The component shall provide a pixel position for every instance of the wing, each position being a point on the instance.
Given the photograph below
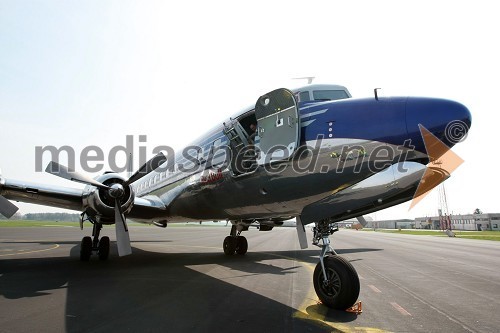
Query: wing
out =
(146, 208)
(54, 196)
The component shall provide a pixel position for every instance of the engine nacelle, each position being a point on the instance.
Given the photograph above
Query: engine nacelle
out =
(101, 205)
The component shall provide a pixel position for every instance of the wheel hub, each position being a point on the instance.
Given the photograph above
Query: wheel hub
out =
(332, 285)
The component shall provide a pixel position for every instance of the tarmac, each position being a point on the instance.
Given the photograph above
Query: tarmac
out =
(179, 280)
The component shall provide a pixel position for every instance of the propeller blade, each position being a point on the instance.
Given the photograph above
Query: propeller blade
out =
(149, 166)
(362, 220)
(7, 208)
(59, 170)
(122, 236)
(301, 233)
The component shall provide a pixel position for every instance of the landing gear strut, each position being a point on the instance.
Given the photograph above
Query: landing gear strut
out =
(235, 243)
(336, 282)
(89, 245)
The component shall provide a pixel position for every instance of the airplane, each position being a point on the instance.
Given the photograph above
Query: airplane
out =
(314, 154)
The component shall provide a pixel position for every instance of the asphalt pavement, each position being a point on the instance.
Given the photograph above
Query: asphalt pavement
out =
(179, 280)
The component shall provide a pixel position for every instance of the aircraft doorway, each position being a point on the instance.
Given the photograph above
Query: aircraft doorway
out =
(241, 135)
(269, 133)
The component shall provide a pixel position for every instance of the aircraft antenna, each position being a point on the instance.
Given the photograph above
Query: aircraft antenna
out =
(308, 78)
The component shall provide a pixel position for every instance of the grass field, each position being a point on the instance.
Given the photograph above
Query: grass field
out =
(26, 223)
(485, 235)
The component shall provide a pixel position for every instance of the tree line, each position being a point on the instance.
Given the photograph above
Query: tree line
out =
(66, 217)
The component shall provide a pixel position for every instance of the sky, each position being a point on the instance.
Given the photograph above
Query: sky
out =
(82, 73)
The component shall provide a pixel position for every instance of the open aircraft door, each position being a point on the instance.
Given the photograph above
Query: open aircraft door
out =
(278, 125)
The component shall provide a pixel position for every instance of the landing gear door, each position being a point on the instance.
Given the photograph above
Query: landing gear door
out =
(278, 125)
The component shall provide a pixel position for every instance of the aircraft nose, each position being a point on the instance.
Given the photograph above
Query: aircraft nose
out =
(448, 120)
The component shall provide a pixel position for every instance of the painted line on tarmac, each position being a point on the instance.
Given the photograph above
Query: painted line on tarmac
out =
(312, 309)
(400, 309)
(418, 298)
(375, 289)
(28, 252)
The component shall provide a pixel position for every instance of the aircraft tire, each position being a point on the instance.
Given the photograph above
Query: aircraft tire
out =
(229, 245)
(343, 289)
(241, 245)
(85, 248)
(104, 248)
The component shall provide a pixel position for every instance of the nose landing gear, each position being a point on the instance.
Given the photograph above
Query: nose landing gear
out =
(335, 280)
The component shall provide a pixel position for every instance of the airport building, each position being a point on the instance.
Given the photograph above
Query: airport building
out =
(473, 222)
(391, 224)
(383, 224)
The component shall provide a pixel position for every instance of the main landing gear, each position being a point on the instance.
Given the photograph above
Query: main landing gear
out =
(234, 243)
(89, 245)
(336, 282)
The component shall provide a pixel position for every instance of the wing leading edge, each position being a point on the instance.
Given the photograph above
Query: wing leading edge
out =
(71, 198)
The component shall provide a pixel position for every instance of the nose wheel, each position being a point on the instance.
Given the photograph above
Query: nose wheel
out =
(335, 280)
(340, 289)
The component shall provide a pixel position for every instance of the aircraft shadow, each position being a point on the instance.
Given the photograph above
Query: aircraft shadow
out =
(151, 291)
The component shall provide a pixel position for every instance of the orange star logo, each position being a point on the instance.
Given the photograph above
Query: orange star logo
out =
(443, 162)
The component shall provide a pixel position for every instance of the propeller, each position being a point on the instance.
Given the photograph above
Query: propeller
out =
(362, 221)
(59, 170)
(7, 208)
(122, 237)
(149, 166)
(301, 232)
(115, 191)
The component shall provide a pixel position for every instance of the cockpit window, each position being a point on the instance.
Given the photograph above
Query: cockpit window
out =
(304, 96)
(329, 95)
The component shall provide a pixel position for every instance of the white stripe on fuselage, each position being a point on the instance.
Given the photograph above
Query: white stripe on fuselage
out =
(307, 123)
(307, 115)
(314, 104)
(313, 113)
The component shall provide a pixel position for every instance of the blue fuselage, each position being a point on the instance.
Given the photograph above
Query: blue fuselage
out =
(348, 141)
